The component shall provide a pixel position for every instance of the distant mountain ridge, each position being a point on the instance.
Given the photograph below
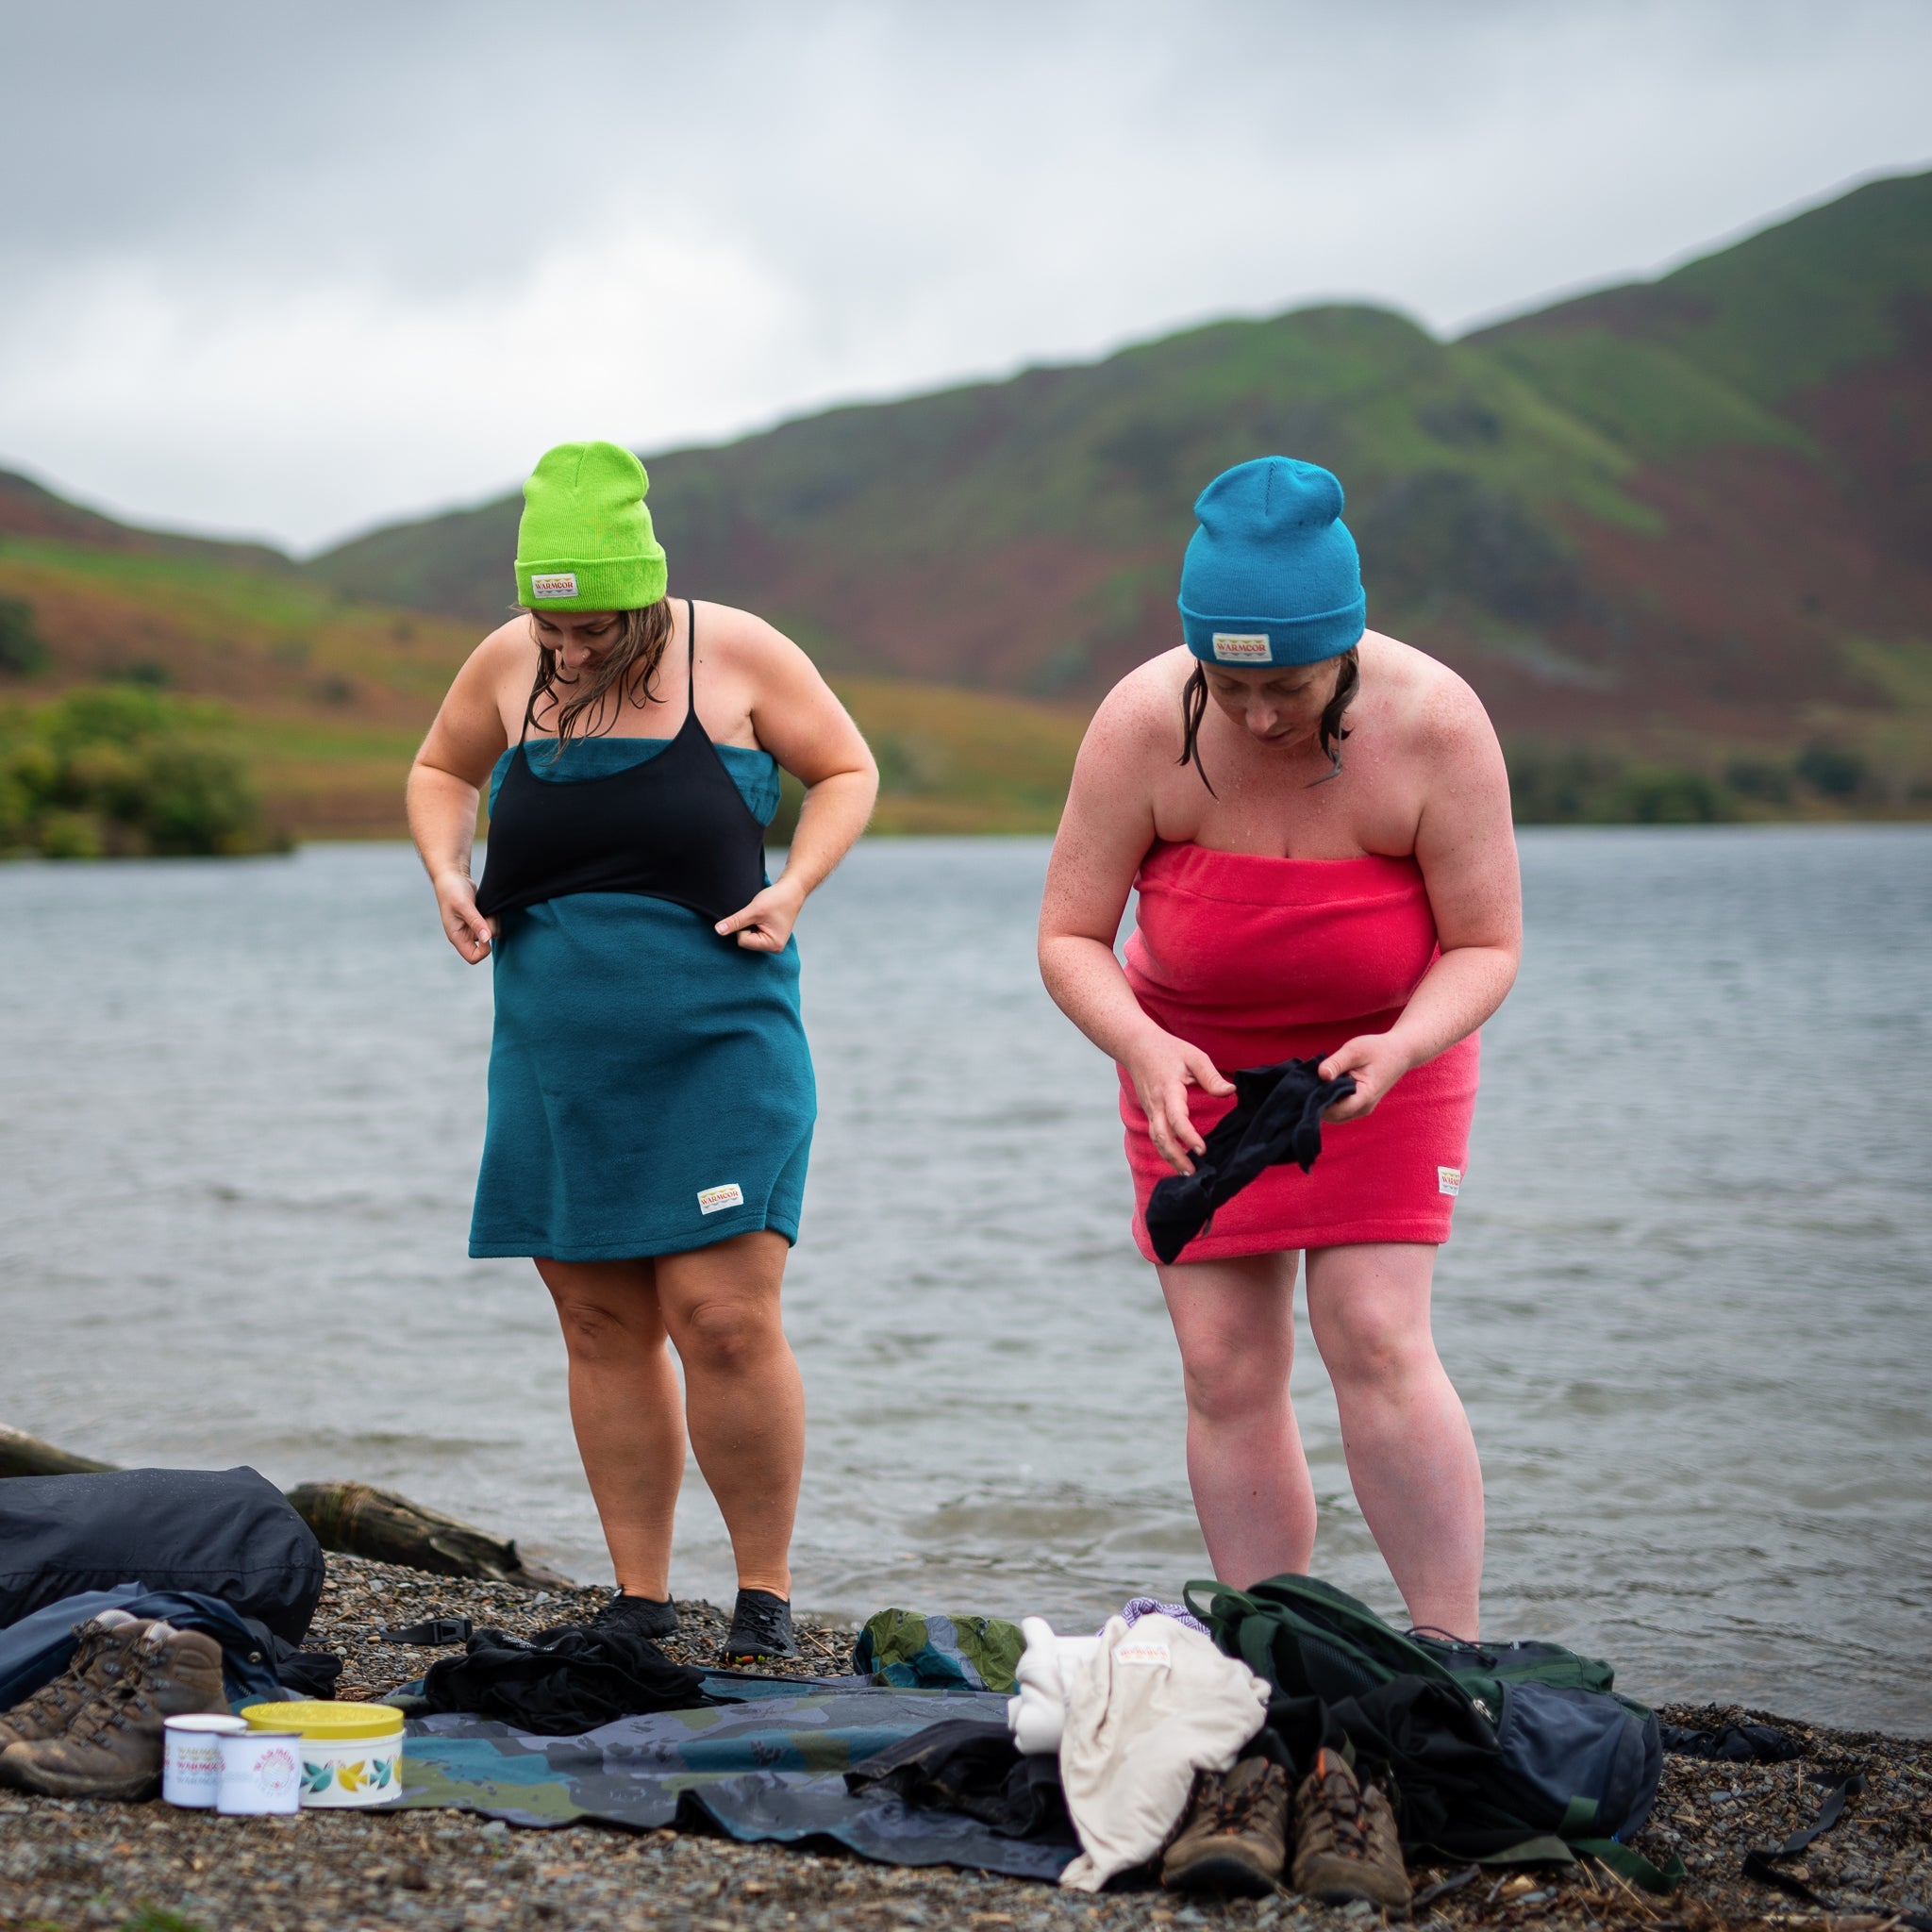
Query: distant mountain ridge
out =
(31, 509)
(1702, 500)
(1675, 521)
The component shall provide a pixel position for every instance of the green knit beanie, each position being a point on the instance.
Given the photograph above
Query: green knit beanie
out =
(585, 540)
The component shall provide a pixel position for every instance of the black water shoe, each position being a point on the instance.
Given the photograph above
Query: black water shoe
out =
(760, 1628)
(644, 1616)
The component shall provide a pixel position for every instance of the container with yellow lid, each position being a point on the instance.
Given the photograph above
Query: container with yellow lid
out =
(352, 1754)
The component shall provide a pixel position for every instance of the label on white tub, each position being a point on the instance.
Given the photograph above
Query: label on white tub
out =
(714, 1200)
(1449, 1180)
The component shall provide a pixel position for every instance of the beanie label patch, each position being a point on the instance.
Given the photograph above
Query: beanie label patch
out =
(555, 583)
(1243, 647)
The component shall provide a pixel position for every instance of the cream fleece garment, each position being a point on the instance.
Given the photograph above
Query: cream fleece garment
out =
(1038, 1714)
(1153, 1706)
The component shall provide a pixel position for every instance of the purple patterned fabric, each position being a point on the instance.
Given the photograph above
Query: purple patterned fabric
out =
(1137, 1606)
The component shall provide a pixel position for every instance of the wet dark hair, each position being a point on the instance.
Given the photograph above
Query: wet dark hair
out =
(1330, 729)
(629, 667)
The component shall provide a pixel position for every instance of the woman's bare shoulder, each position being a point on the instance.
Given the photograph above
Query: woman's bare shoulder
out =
(1434, 708)
(754, 657)
(1141, 715)
(740, 636)
(508, 648)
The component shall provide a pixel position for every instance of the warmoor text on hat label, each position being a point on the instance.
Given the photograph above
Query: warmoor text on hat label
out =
(1242, 648)
(557, 583)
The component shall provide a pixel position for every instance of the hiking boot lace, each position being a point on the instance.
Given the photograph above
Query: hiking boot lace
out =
(1341, 1799)
(1234, 1807)
(70, 1685)
(114, 1706)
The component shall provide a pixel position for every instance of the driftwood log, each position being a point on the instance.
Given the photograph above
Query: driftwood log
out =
(24, 1455)
(352, 1518)
(360, 1521)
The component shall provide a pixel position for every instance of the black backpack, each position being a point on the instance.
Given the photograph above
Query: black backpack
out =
(1516, 1753)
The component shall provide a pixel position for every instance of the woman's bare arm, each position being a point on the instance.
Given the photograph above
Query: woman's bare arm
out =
(797, 718)
(446, 785)
(1104, 832)
(1466, 847)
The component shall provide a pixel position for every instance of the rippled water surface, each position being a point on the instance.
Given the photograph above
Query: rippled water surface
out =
(1688, 1301)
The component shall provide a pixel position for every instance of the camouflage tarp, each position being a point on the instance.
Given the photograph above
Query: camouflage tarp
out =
(770, 1768)
(936, 1652)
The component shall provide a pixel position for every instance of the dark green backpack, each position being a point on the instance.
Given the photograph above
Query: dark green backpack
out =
(1516, 1753)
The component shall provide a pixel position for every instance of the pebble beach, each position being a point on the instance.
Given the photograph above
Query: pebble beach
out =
(150, 1868)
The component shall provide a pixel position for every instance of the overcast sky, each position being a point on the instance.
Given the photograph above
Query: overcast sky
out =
(294, 271)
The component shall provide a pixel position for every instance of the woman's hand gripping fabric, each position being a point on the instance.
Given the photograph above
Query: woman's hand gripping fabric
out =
(1375, 1060)
(465, 929)
(765, 925)
(1162, 1071)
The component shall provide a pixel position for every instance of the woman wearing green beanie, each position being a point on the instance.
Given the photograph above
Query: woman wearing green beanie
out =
(651, 1095)
(1356, 910)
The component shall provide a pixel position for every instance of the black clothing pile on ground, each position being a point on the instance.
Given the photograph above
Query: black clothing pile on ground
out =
(565, 1681)
(1738, 1743)
(972, 1768)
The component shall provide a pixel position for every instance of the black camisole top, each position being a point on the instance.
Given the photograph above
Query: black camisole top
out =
(673, 826)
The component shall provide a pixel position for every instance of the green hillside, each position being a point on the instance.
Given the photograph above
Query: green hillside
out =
(1679, 519)
(325, 699)
(1675, 532)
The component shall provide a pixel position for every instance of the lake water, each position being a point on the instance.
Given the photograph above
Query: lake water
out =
(1689, 1302)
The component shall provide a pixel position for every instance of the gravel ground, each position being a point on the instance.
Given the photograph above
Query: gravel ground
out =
(148, 1868)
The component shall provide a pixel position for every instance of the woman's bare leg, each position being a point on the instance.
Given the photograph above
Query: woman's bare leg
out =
(625, 1409)
(1411, 1456)
(1235, 1322)
(745, 1399)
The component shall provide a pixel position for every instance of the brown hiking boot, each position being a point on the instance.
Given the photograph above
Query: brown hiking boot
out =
(99, 1660)
(112, 1749)
(1235, 1835)
(1345, 1846)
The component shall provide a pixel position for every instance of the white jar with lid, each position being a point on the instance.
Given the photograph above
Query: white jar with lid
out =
(352, 1754)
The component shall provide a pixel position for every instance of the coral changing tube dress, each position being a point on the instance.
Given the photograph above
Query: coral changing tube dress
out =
(1256, 959)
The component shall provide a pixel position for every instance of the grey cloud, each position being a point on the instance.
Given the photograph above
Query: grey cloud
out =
(260, 220)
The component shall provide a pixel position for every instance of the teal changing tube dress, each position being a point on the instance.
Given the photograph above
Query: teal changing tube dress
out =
(650, 1086)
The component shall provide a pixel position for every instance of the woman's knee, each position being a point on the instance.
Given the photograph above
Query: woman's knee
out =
(1227, 1382)
(598, 1331)
(1372, 1342)
(727, 1336)
(1369, 1311)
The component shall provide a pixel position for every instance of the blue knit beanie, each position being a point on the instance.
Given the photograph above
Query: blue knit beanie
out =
(1271, 575)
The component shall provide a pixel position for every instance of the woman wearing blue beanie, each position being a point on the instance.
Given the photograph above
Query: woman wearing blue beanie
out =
(1316, 819)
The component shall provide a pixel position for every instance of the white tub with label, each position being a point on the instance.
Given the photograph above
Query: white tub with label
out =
(352, 1754)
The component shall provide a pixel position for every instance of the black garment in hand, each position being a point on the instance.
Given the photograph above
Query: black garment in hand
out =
(571, 1679)
(1276, 1116)
(962, 1764)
